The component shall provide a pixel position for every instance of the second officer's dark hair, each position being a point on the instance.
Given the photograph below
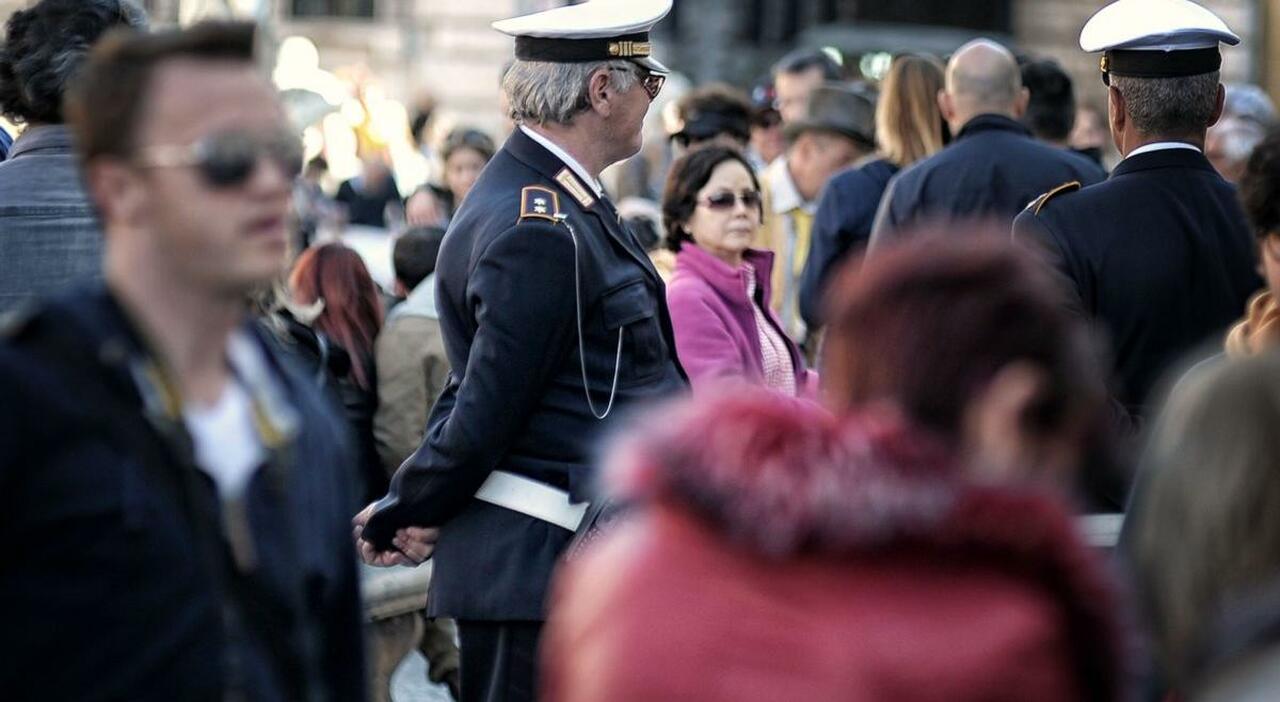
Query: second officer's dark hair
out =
(45, 46)
(1051, 111)
(688, 175)
(107, 101)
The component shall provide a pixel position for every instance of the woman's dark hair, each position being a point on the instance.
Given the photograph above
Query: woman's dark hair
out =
(925, 325)
(468, 138)
(1260, 186)
(352, 314)
(688, 175)
(45, 46)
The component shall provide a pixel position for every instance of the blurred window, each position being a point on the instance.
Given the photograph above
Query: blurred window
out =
(332, 8)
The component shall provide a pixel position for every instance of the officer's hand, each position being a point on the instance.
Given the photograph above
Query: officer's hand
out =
(414, 544)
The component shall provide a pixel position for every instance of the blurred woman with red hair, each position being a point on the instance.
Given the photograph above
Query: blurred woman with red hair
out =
(334, 279)
(911, 543)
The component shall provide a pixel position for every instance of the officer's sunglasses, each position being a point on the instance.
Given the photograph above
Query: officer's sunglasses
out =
(651, 81)
(228, 159)
(726, 200)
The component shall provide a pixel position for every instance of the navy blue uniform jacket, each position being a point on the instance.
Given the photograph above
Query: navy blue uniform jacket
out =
(993, 169)
(515, 401)
(1160, 255)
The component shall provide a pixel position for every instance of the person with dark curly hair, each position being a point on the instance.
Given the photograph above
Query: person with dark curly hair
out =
(49, 233)
(1260, 194)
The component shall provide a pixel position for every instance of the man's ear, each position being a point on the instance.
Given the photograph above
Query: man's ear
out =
(600, 92)
(1021, 102)
(946, 106)
(1117, 117)
(117, 190)
(1219, 105)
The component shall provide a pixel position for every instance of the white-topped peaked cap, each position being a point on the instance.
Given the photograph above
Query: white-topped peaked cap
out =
(1156, 39)
(596, 30)
(1155, 25)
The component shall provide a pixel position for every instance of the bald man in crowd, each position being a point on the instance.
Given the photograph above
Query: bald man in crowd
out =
(994, 167)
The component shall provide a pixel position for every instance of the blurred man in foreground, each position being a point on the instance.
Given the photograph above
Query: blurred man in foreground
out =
(174, 495)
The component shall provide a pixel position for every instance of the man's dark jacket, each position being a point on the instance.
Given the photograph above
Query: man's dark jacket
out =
(841, 228)
(992, 170)
(1160, 255)
(515, 400)
(113, 585)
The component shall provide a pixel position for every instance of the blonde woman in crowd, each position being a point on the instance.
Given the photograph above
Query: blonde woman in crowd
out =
(909, 127)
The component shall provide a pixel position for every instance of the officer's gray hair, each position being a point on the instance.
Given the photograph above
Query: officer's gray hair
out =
(542, 92)
(1169, 106)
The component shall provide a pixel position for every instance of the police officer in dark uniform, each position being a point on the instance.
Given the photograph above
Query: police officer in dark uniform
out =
(555, 323)
(1160, 254)
(994, 167)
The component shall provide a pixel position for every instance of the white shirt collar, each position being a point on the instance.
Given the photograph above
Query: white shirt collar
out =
(1162, 146)
(784, 197)
(568, 160)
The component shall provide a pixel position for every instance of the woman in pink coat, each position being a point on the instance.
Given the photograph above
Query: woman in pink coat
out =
(719, 294)
(911, 545)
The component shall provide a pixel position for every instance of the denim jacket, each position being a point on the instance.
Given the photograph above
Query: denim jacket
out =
(49, 232)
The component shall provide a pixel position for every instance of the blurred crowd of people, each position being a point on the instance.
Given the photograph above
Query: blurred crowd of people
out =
(929, 324)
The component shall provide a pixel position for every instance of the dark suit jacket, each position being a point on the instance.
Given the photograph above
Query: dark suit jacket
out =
(1160, 255)
(993, 169)
(515, 400)
(841, 228)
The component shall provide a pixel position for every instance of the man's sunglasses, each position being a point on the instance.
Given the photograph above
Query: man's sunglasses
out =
(228, 159)
(651, 81)
(726, 200)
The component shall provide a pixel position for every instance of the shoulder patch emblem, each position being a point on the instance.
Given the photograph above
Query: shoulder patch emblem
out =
(570, 182)
(1041, 201)
(539, 202)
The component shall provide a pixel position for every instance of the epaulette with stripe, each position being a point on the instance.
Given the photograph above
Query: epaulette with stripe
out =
(1039, 203)
(538, 202)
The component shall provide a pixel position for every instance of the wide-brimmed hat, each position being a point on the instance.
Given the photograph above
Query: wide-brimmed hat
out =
(839, 108)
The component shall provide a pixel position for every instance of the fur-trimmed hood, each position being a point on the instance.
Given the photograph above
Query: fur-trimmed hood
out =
(785, 477)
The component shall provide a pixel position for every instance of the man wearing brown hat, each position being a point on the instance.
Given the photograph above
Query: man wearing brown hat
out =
(837, 131)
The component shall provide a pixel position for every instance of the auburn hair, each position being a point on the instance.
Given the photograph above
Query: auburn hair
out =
(352, 314)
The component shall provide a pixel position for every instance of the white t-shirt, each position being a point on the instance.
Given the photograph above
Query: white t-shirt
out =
(226, 440)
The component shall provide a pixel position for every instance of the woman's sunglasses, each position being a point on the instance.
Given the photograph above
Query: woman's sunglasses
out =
(228, 159)
(726, 200)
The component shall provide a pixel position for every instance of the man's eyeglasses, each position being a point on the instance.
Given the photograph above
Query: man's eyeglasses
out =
(228, 159)
(651, 81)
(726, 200)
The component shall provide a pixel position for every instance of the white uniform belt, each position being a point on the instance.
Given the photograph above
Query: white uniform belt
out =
(531, 497)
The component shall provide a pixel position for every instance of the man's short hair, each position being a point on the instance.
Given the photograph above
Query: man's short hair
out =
(712, 110)
(414, 255)
(1051, 111)
(1169, 106)
(46, 45)
(542, 92)
(108, 99)
(803, 60)
(1260, 186)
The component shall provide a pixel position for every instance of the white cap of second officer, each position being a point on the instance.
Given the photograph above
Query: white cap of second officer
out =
(1156, 38)
(597, 30)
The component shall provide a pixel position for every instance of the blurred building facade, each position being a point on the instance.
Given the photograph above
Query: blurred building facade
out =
(445, 48)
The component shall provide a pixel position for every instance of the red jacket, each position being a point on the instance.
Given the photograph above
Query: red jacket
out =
(783, 555)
